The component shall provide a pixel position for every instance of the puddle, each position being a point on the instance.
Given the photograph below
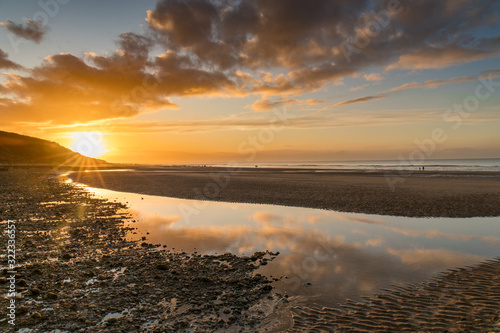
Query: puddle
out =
(325, 256)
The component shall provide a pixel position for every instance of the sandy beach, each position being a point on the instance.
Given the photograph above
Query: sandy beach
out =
(76, 272)
(419, 193)
(460, 300)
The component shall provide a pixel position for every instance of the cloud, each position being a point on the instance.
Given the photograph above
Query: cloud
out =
(257, 121)
(361, 87)
(491, 71)
(254, 34)
(30, 30)
(312, 102)
(265, 104)
(270, 48)
(304, 37)
(6, 63)
(487, 240)
(429, 84)
(66, 89)
(373, 77)
(491, 74)
(270, 220)
(69, 89)
(340, 269)
(358, 100)
(434, 258)
(441, 57)
(352, 218)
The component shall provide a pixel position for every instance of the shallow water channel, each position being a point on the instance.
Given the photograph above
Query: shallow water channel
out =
(325, 256)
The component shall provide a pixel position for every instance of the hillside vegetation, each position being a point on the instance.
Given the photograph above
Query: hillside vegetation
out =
(21, 149)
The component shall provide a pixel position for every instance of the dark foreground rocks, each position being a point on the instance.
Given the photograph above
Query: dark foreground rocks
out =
(77, 273)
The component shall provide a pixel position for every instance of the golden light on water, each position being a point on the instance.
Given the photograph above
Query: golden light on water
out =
(90, 144)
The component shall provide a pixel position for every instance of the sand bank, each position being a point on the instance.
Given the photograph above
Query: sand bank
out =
(420, 194)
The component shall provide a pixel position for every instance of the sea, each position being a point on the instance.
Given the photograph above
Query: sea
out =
(483, 164)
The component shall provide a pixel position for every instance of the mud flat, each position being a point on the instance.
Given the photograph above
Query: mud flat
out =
(460, 300)
(77, 273)
(417, 194)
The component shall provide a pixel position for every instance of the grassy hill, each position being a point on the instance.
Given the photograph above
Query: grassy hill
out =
(21, 149)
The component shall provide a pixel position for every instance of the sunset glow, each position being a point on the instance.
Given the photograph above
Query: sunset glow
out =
(206, 81)
(155, 155)
(90, 144)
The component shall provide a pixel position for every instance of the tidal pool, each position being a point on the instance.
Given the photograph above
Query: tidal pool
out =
(325, 256)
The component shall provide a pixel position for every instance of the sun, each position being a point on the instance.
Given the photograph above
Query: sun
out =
(90, 144)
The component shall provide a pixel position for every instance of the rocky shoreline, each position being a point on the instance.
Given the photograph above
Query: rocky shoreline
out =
(77, 273)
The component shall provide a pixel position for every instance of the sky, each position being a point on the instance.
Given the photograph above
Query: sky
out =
(204, 81)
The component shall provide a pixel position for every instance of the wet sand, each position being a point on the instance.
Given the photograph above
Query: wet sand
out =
(77, 273)
(418, 194)
(461, 300)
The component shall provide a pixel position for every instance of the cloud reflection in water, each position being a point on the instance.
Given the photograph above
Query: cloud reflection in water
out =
(326, 256)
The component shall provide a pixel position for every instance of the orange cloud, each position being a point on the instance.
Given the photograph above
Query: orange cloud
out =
(265, 104)
(271, 48)
(65, 90)
(441, 57)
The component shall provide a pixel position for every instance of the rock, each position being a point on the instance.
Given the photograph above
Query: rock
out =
(267, 288)
(108, 274)
(51, 296)
(35, 292)
(21, 310)
(162, 267)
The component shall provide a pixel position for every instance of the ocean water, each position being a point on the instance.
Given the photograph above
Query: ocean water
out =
(489, 164)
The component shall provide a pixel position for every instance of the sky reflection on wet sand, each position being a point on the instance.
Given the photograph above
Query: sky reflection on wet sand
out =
(327, 256)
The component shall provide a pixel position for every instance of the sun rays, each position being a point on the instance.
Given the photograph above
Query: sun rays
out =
(90, 144)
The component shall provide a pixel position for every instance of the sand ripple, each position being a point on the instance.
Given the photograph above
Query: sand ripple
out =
(460, 300)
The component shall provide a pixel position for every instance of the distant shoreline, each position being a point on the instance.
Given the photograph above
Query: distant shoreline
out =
(473, 165)
(414, 194)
